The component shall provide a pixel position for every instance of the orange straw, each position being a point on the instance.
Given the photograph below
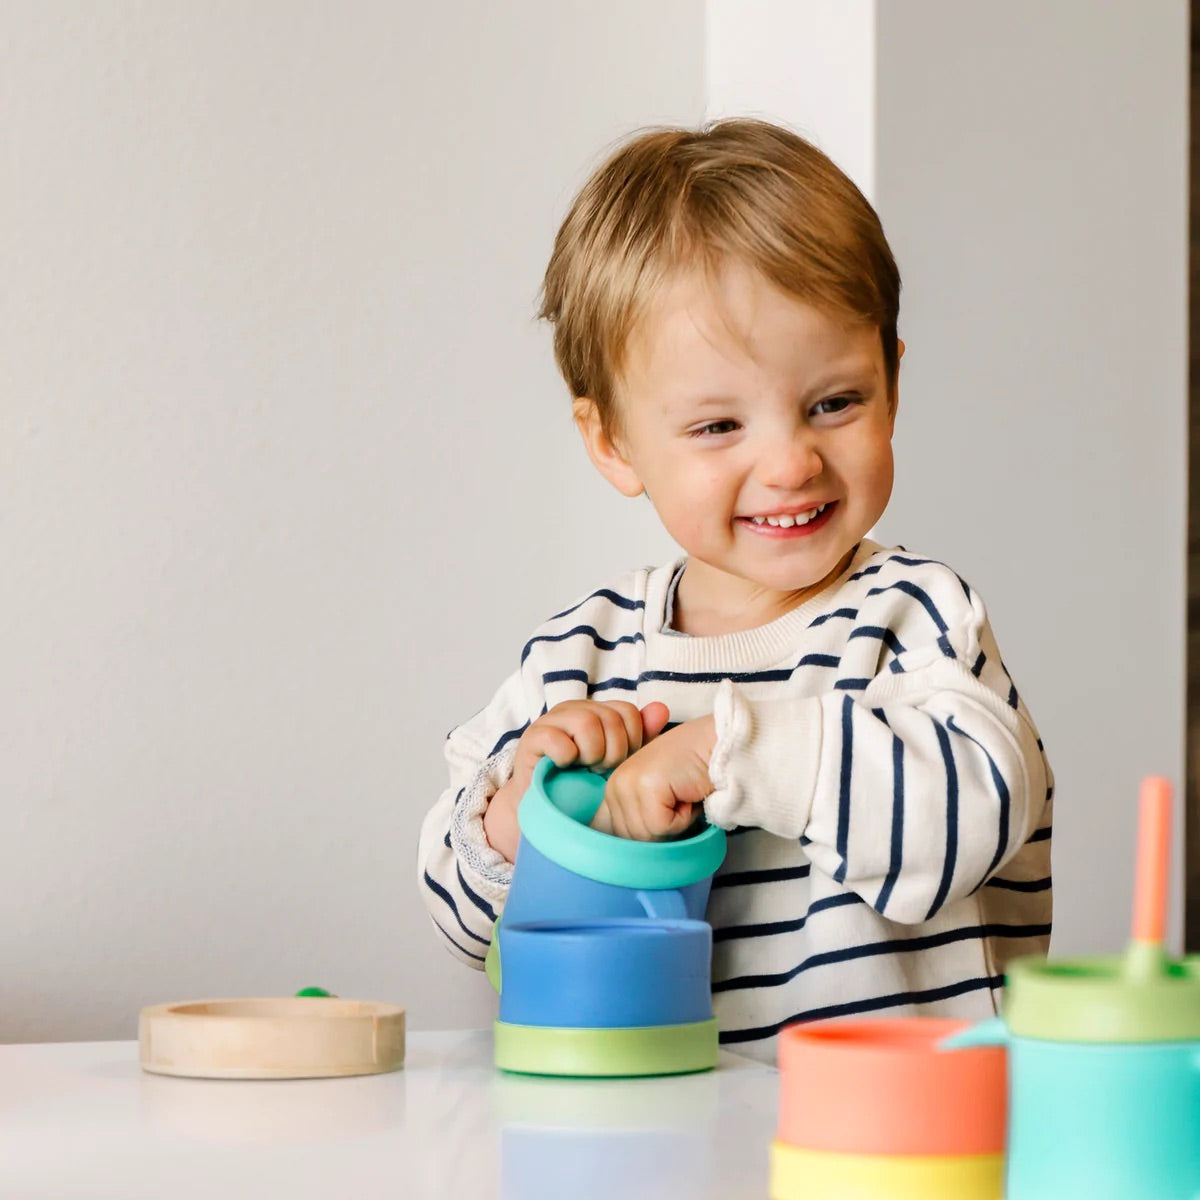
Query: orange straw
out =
(1153, 861)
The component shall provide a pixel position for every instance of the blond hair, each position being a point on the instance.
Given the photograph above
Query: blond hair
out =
(674, 199)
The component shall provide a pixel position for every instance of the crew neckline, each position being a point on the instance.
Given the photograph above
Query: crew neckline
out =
(745, 649)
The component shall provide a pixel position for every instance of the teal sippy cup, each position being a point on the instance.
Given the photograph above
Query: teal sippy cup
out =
(1104, 1056)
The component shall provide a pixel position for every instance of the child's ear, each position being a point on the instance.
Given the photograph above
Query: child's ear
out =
(603, 450)
(895, 397)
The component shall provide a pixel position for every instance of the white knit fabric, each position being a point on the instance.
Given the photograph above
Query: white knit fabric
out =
(888, 801)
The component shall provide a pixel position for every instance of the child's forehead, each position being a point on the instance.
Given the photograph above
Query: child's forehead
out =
(734, 315)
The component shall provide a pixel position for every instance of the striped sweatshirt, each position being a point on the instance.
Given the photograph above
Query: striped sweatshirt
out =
(887, 797)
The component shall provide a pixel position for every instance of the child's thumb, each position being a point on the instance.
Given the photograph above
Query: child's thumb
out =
(654, 719)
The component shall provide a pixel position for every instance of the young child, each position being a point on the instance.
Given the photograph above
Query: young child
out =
(724, 307)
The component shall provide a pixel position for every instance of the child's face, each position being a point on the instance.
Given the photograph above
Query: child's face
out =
(741, 411)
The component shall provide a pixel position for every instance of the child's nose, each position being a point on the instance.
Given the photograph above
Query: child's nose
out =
(790, 462)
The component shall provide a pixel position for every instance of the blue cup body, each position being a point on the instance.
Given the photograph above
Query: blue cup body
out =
(606, 974)
(543, 889)
(1108, 1121)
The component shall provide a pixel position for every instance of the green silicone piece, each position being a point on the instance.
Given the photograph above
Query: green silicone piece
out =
(491, 963)
(553, 815)
(1104, 999)
(313, 991)
(592, 1053)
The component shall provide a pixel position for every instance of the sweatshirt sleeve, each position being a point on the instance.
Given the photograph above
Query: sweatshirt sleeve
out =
(463, 881)
(916, 777)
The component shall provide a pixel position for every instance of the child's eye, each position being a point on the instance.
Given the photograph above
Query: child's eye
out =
(832, 406)
(714, 429)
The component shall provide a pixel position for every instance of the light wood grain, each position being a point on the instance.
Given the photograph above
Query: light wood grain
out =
(271, 1038)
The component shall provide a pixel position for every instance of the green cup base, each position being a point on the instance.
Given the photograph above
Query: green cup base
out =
(606, 1053)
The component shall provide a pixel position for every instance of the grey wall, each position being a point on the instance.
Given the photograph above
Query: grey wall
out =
(286, 472)
(1031, 174)
(274, 420)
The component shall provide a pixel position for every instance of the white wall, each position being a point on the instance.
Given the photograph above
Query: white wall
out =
(275, 416)
(807, 63)
(1032, 178)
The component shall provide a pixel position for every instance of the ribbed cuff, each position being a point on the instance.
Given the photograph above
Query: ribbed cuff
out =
(486, 868)
(764, 765)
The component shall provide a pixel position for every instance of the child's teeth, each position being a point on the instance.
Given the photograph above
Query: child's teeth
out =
(787, 520)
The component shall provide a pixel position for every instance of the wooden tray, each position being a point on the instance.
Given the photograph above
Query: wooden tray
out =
(290, 1037)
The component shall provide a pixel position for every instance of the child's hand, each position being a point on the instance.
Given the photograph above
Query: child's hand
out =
(592, 733)
(656, 793)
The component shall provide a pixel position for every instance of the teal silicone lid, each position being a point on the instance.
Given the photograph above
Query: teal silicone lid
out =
(554, 815)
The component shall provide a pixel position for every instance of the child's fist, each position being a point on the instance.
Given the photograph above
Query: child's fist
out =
(592, 733)
(656, 793)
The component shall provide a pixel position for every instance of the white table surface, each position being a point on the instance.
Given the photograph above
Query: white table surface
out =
(82, 1119)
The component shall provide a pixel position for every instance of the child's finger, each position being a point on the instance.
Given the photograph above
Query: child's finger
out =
(616, 736)
(631, 718)
(548, 741)
(602, 821)
(587, 729)
(654, 719)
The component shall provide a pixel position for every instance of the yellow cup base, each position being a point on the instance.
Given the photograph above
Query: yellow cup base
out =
(799, 1174)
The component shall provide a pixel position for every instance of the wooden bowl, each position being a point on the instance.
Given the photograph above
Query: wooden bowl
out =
(291, 1037)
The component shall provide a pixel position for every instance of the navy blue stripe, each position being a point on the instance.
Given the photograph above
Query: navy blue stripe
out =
(894, 558)
(458, 945)
(977, 666)
(603, 594)
(872, 570)
(1013, 698)
(896, 667)
(897, 848)
(919, 595)
(474, 897)
(730, 933)
(931, 941)
(886, 636)
(505, 739)
(565, 675)
(1002, 796)
(616, 684)
(1021, 885)
(819, 660)
(438, 890)
(601, 643)
(1040, 835)
(573, 675)
(851, 685)
(874, 1004)
(778, 675)
(767, 875)
(951, 821)
(843, 827)
(849, 613)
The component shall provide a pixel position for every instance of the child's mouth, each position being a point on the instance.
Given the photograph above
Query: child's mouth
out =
(798, 526)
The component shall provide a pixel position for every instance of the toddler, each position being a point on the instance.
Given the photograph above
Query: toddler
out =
(724, 305)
